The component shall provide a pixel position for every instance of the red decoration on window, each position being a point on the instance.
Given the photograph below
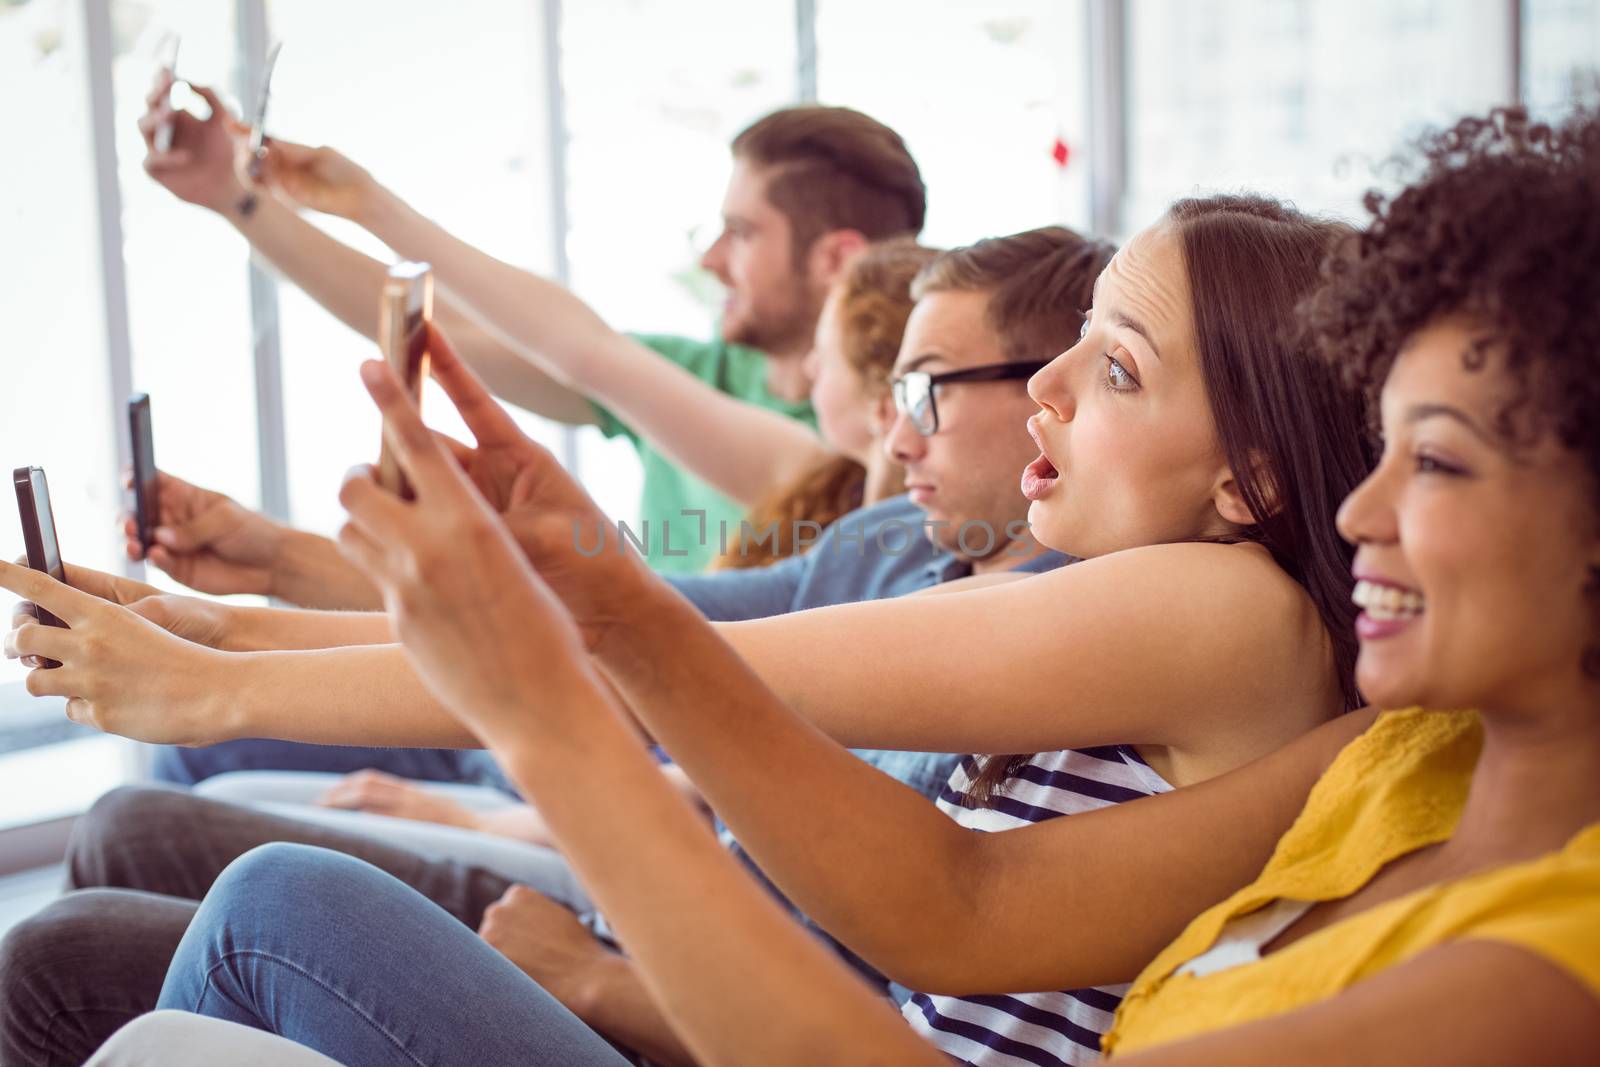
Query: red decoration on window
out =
(1060, 153)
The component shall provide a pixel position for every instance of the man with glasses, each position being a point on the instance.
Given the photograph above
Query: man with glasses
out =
(986, 317)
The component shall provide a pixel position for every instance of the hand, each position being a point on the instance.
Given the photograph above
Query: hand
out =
(481, 628)
(205, 622)
(385, 794)
(546, 941)
(208, 541)
(561, 531)
(199, 167)
(120, 673)
(321, 179)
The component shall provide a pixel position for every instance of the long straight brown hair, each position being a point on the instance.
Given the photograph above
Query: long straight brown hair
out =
(1294, 435)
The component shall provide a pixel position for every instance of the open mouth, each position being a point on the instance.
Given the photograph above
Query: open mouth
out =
(1387, 603)
(1386, 609)
(1039, 476)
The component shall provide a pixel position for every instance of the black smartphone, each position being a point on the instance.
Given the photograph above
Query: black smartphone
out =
(145, 511)
(39, 535)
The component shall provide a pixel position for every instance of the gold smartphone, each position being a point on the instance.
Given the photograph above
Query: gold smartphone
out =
(403, 336)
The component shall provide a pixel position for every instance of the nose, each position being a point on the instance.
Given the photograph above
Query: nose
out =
(1367, 515)
(716, 257)
(901, 442)
(1051, 387)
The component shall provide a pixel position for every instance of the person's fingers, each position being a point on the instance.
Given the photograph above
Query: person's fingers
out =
(376, 512)
(177, 159)
(38, 640)
(430, 468)
(364, 552)
(160, 558)
(219, 110)
(460, 451)
(204, 528)
(63, 601)
(160, 85)
(98, 583)
(55, 682)
(484, 416)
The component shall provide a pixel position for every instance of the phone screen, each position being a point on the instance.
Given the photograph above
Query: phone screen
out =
(39, 529)
(144, 466)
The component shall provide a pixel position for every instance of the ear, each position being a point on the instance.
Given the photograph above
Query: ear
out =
(832, 252)
(1228, 498)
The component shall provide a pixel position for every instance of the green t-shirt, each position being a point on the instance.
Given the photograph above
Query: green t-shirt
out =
(679, 543)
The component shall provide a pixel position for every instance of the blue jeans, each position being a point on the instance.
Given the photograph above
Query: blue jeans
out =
(338, 956)
(186, 766)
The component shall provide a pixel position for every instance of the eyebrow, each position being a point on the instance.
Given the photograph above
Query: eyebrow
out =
(925, 358)
(1420, 412)
(1138, 328)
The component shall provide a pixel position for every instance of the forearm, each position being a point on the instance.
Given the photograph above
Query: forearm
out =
(742, 983)
(252, 629)
(753, 450)
(888, 885)
(310, 572)
(361, 695)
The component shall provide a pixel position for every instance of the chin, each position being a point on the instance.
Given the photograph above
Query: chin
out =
(1049, 528)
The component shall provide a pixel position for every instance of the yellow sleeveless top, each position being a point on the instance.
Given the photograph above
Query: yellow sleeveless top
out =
(1398, 787)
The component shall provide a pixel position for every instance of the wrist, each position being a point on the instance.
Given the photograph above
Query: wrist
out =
(585, 989)
(222, 684)
(234, 203)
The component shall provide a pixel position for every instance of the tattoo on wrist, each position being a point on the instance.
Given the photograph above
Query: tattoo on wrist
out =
(246, 205)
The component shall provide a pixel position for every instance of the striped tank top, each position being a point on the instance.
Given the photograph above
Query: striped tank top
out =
(1034, 1029)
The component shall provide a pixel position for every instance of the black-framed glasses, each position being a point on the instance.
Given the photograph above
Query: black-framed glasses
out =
(914, 391)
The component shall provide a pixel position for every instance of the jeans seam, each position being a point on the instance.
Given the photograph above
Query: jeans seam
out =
(314, 980)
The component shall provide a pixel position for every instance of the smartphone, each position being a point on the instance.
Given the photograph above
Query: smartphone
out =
(145, 510)
(258, 128)
(39, 535)
(403, 336)
(167, 50)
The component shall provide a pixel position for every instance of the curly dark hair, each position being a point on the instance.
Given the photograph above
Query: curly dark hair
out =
(1502, 225)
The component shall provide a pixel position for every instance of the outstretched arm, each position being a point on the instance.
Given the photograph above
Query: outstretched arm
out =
(200, 168)
(743, 450)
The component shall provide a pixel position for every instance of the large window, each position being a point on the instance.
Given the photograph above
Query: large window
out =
(1299, 98)
(439, 101)
(990, 97)
(57, 406)
(654, 90)
(1560, 55)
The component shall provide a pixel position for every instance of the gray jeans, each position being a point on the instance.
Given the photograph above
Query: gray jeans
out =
(139, 862)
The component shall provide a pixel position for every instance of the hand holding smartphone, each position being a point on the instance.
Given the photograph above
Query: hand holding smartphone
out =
(258, 128)
(39, 535)
(403, 320)
(146, 507)
(169, 62)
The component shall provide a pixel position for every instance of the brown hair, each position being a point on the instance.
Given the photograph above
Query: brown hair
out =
(874, 302)
(1039, 283)
(1292, 433)
(1501, 223)
(832, 168)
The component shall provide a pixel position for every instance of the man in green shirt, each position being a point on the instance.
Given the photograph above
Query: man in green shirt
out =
(810, 187)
